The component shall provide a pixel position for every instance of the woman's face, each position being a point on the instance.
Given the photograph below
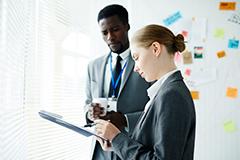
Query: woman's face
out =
(144, 61)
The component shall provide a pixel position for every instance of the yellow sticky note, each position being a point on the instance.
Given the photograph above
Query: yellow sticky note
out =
(227, 5)
(232, 92)
(229, 126)
(195, 94)
(221, 54)
(219, 33)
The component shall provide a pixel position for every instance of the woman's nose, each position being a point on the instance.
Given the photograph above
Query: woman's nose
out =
(136, 69)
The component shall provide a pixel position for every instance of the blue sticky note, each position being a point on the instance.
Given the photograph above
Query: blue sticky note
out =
(172, 19)
(232, 43)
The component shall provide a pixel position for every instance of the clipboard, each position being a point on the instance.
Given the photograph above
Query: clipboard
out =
(58, 119)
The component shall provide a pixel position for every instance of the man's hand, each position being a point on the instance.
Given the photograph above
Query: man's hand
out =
(117, 118)
(94, 111)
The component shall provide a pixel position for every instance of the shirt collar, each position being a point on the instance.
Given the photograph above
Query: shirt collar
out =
(123, 55)
(152, 91)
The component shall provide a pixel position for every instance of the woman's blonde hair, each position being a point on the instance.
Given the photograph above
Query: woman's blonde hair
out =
(156, 33)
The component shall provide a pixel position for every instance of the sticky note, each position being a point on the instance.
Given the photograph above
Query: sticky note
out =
(221, 54)
(172, 19)
(219, 33)
(187, 57)
(188, 72)
(230, 126)
(177, 57)
(185, 34)
(232, 92)
(195, 95)
(233, 43)
(227, 6)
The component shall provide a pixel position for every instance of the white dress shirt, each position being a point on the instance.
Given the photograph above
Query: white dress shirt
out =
(153, 90)
(107, 79)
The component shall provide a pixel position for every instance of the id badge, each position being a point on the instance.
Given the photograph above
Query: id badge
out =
(112, 103)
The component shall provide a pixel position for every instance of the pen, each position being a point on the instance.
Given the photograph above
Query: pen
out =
(89, 125)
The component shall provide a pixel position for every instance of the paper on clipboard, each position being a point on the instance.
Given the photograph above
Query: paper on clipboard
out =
(60, 121)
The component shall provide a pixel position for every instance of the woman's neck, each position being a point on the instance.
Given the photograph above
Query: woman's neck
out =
(166, 65)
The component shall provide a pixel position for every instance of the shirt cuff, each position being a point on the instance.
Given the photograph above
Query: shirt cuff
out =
(126, 128)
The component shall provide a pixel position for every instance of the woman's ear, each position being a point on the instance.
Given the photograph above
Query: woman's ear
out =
(156, 48)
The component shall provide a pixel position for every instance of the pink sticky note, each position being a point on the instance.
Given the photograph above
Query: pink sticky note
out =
(188, 72)
(185, 34)
(177, 57)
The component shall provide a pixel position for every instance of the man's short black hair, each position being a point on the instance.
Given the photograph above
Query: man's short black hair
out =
(113, 10)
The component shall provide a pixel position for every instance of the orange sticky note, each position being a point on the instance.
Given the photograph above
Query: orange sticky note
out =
(227, 5)
(221, 54)
(232, 92)
(195, 94)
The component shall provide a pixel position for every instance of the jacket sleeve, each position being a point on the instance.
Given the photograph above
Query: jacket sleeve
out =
(132, 119)
(88, 93)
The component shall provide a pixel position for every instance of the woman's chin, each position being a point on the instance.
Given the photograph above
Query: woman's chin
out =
(148, 79)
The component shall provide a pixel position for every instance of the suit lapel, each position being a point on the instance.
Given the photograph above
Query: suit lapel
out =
(174, 77)
(144, 115)
(102, 75)
(129, 69)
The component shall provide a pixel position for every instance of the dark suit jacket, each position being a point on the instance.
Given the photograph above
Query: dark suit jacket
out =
(132, 94)
(167, 130)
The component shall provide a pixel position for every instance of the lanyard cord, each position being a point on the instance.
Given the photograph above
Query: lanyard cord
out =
(114, 84)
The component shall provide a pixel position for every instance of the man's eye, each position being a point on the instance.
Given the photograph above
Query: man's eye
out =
(115, 29)
(104, 33)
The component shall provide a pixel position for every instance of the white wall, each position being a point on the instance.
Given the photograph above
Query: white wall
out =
(215, 140)
(214, 109)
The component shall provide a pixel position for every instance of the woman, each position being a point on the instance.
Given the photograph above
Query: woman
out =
(166, 130)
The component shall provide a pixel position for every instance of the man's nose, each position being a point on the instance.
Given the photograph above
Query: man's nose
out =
(110, 36)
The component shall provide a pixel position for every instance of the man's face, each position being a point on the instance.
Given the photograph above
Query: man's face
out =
(114, 33)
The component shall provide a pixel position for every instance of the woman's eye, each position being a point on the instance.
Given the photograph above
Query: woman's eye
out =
(135, 58)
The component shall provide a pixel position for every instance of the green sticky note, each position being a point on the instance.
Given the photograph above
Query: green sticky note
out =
(230, 126)
(219, 33)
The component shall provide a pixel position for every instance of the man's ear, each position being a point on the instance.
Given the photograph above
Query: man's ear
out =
(157, 48)
(127, 26)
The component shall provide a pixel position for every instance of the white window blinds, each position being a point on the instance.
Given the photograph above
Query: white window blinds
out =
(55, 82)
(38, 73)
(14, 47)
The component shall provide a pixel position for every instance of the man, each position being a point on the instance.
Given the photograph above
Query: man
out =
(112, 76)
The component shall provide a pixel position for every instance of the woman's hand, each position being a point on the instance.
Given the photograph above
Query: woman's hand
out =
(106, 129)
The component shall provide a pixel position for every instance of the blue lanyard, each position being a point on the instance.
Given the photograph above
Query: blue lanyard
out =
(114, 84)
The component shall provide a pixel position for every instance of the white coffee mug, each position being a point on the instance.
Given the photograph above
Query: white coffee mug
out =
(103, 102)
